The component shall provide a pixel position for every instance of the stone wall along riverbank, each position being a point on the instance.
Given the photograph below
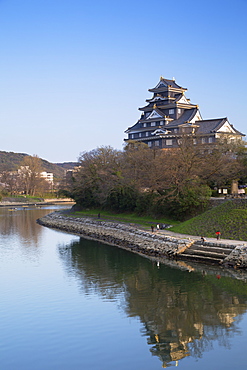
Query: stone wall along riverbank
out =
(121, 235)
(132, 238)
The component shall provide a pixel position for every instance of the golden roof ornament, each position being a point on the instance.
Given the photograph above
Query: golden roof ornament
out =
(155, 106)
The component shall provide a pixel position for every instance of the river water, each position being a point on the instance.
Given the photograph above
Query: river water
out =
(71, 303)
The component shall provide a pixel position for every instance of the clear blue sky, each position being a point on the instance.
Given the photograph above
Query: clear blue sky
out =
(74, 73)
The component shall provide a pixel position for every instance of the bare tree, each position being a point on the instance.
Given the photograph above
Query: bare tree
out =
(100, 170)
(10, 181)
(29, 174)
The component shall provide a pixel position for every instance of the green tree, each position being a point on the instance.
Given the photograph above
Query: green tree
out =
(122, 198)
(100, 171)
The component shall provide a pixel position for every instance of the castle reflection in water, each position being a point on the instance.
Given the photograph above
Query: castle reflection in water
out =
(182, 313)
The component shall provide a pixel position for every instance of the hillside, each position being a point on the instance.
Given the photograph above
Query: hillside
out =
(67, 165)
(230, 218)
(10, 161)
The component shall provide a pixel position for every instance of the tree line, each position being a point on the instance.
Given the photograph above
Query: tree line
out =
(25, 180)
(173, 182)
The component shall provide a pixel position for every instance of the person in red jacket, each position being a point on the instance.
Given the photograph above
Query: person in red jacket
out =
(218, 233)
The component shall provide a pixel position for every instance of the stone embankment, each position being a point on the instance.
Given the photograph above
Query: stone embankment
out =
(147, 243)
(41, 202)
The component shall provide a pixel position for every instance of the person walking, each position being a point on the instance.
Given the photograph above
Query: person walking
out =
(218, 233)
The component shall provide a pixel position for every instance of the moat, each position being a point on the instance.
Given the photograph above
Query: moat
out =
(72, 303)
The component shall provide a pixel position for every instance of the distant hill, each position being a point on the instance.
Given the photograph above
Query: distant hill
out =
(10, 161)
(67, 165)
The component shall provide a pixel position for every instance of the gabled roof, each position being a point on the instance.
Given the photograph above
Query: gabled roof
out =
(210, 125)
(166, 83)
(156, 113)
(216, 125)
(187, 116)
(181, 98)
(191, 115)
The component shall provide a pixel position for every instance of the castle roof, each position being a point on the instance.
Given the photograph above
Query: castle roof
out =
(216, 125)
(168, 84)
(169, 108)
(187, 116)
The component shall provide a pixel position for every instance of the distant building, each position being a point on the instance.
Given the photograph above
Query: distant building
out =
(48, 176)
(169, 115)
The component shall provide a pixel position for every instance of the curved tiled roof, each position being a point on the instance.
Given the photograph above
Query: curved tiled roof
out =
(190, 112)
(188, 115)
(178, 96)
(210, 125)
(171, 83)
(158, 111)
(213, 125)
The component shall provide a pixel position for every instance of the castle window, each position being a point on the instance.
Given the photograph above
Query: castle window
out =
(171, 111)
(153, 123)
(169, 142)
(210, 139)
(175, 130)
(140, 135)
(157, 143)
(147, 133)
(194, 141)
(161, 123)
(144, 125)
(203, 140)
(149, 143)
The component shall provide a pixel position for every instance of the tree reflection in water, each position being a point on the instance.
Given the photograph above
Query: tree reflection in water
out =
(182, 313)
(22, 223)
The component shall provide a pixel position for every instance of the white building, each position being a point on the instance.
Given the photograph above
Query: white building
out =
(48, 176)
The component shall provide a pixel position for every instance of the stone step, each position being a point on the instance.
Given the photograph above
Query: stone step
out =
(202, 258)
(214, 245)
(209, 249)
(205, 253)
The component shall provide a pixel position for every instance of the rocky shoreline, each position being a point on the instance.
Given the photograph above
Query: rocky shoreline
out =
(120, 235)
(27, 202)
(155, 245)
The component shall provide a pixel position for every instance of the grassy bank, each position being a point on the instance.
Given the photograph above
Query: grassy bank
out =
(230, 218)
(145, 221)
(22, 199)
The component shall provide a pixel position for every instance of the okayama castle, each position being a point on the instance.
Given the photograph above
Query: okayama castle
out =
(169, 115)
